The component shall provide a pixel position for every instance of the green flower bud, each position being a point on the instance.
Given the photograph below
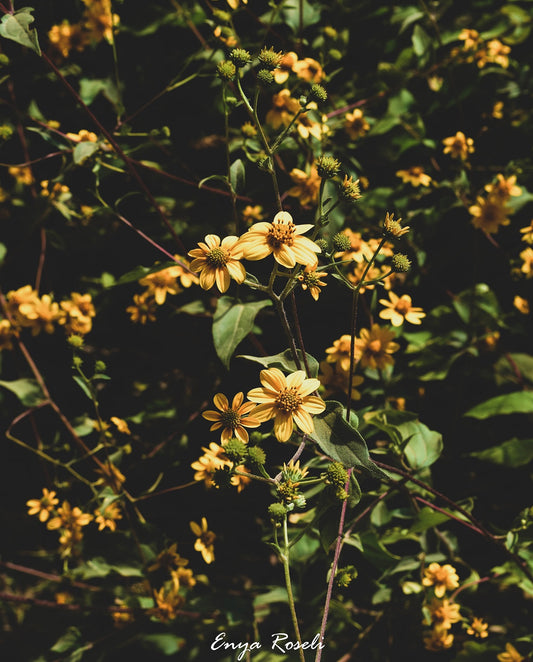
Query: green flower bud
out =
(235, 450)
(341, 242)
(220, 15)
(336, 475)
(4, 60)
(330, 32)
(335, 54)
(240, 57)
(77, 361)
(226, 70)
(400, 263)
(318, 93)
(100, 366)
(265, 77)
(256, 456)
(248, 130)
(269, 58)
(350, 189)
(75, 341)
(345, 576)
(323, 245)
(277, 512)
(6, 132)
(327, 167)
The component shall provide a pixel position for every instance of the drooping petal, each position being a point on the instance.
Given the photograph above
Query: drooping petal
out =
(304, 421)
(285, 256)
(283, 425)
(222, 278)
(221, 402)
(257, 249)
(207, 279)
(313, 404)
(236, 271)
(241, 434)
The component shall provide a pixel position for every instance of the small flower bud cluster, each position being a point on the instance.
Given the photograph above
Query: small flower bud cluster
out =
(269, 58)
(256, 456)
(226, 70)
(400, 263)
(318, 93)
(392, 228)
(277, 512)
(235, 450)
(350, 189)
(341, 242)
(265, 77)
(345, 576)
(323, 245)
(240, 57)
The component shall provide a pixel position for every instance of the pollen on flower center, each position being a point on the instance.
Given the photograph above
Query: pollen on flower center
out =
(281, 233)
(403, 306)
(288, 400)
(375, 346)
(230, 418)
(217, 257)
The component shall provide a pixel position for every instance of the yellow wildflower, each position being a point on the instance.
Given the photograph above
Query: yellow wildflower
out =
(495, 53)
(233, 420)
(183, 271)
(373, 348)
(471, 38)
(527, 266)
(442, 577)
(79, 311)
(522, 305)
(284, 108)
(206, 465)
(488, 214)
(373, 274)
(309, 70)
(510, 654)
(161, 283)
(66, 37)
(306, 186)
(282, 238)
(504, 188)
(251, 214)
(120, 424)
(16, 298)
(445, 613)
(22, 174)
(439, 639)
(310, 279)
(108, 518)
(414, 176)
(478, 628)
(400, 309)
(528, 233)
(168, 601)
(43, 506)
(204, 541)
(111, 476)
(41, 314)
(143, 308)
(497, 110)
(6, 335)
(392, 227)
(168, 559)
(458, 146)
(339, 353)
(99, 20)
(218, 262)
(285, 67)
(355, 124)
(287, 400)
(359, 250)
(82, 136)
(335, 380)
(69, 518)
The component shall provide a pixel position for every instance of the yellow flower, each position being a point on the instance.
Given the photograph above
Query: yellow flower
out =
(204, 541)
(373, 348)
(510, 655)
(69, 518)
(183, 271)
(15, 298)
(111, 476)
(108, 519)
(527, 266)
(504, 188)
(528, 233)
(522, 305)
(287, 400)
(168, 559)
(233, 420)
(372, 274)
(310, 279)
(308, 127)
(99, 20)
(143, 308)
(6, 334)
(218, 262)
(335, 380)
(445, 613)
(66, 37)
(488, 214)
(79, 311)
(282, 238)
(82, 136)
(442, 577)
(43, 506)
(183, 577)
(355, 124)
(283, 110)
(458, 146)
(497, 110)
(22, 174)
(495, 52)
(161, 283)
(285, 67)
(470, 37)
(41, 314)
(392, 227)
(206, 465)
(478, 628)
(309, 70)
(400, 309)
(359, 250)
(415, 176)
(339, 353)
(307, 186)
(168, 601)
(439, 639)
(120, 424)
(251, 214)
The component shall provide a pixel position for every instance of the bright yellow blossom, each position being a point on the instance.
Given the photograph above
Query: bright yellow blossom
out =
(510, 654)
(528, 233)
(458, 146)
(374, 347)
(43, 506)
(287, 400)
(489, 214)
(161, 283)
(438, 639)
(527, 266)
(400, 309)
(478, 628)
(306, 186)
(204, 542)
(310, 279)
(108, 518)
(218, 262)
(522, 305)
(355, 124)
(444, 613)
(233, 420)
(442, 577)
(415, 176)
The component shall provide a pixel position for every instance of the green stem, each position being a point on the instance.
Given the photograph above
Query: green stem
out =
(286, 569)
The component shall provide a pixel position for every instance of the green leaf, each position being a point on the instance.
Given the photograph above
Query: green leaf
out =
(291, 14)
(421, 40)
(341, 441)
(27, 391)
(520, 402)
(164, 643)
(423, 447)
(284, 361)
(17, 28)
(232, 322)
(236, 176)
(3, 251)
(99, 567)
(83, 385)
(427, 518)
(66, 642)
(511, 453)
(513, 368)
(83, 152)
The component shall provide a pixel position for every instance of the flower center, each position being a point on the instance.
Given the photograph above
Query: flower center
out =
(374, 347)
(217, 257)
(281, 233)
(289, 400)
(230, 418)
(403, 306)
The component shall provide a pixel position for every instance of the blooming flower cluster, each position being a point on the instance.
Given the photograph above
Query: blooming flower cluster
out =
(476, 49)
(491, 211)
